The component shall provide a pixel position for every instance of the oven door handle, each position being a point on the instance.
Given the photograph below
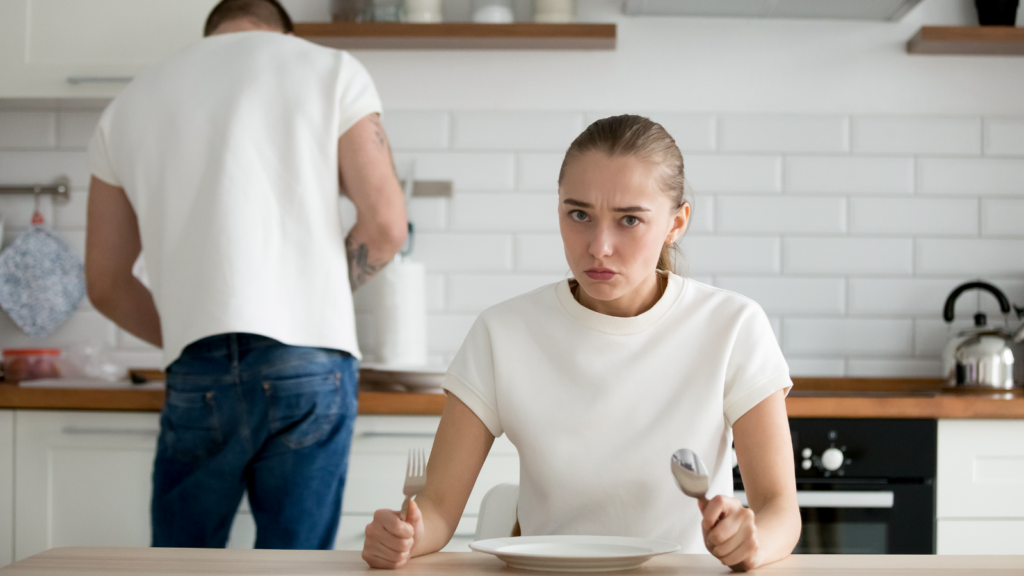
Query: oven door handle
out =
(837, 498)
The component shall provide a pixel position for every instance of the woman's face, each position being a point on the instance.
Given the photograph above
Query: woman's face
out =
(615, 218)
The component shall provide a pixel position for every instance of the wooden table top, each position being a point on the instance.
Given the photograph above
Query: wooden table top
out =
(810, 398)
(195, 562)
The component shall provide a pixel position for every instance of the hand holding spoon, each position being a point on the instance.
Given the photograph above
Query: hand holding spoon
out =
(692, 476)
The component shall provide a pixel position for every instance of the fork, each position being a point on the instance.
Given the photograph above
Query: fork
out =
(415, 478)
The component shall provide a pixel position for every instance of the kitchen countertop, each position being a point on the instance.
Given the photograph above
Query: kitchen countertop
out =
(198, 562)
(810, 398)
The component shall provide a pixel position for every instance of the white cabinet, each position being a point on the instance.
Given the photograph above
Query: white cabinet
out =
(376, 472)
(48, 45)
(6, 487)
(980, 487)
(971, 537)
(82, 479)
(85, 479)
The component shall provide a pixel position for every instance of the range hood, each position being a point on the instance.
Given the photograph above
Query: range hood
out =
(878, 10)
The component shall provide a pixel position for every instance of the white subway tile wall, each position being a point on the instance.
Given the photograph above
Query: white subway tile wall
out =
(849, 230)
(894, 135)
(1004, 137)
(751, 133)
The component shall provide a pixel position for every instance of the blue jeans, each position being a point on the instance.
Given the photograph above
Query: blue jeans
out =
(245, 412)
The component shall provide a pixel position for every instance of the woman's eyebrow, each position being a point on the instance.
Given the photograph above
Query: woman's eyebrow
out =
(580, 204)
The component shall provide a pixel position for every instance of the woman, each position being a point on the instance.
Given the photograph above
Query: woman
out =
(597, 380)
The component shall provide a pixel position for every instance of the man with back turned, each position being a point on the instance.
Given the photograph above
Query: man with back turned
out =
(222, 167)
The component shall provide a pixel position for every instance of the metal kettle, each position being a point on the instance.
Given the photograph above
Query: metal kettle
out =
(982, 357)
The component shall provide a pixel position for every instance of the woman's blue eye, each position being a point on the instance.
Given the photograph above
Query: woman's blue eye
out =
(630, 220)
(578, 215)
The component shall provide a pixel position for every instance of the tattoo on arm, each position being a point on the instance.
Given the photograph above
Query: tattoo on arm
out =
(382, 140)
(360, 269)
(378, 131)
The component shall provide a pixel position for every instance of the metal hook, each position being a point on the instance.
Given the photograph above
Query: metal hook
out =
(37, 216)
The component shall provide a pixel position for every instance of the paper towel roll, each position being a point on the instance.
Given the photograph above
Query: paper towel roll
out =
(399, 312)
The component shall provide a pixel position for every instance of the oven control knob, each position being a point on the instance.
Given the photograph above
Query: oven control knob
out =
(832, 459)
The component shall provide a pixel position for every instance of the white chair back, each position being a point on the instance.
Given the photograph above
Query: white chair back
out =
(498, 512)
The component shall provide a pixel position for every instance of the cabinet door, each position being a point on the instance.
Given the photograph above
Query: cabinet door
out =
(6, 487)
(376, 472)
(971, 537)
(980, 469)
(82, 479)
(51, 44)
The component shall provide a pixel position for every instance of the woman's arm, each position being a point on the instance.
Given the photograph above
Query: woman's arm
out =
(460, 447)
(767, 531)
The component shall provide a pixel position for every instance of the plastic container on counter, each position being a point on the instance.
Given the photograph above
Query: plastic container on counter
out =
(30, 364)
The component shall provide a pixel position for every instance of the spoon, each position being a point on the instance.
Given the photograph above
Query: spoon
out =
(692, 476)
(690, 473)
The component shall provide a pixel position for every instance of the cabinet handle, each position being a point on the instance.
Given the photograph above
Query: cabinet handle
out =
(837, 498)
(76, 431)
(396, 434)
(99, 79)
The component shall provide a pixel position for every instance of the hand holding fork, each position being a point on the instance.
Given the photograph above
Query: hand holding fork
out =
(415, 478)
(391, 537)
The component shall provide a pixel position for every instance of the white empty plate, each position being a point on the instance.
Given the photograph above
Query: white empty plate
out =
(574, 553)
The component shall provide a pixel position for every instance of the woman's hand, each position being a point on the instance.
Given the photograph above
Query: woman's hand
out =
(389, 539)
(730, 533)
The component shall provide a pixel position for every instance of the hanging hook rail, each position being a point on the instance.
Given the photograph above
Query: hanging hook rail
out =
(61, 189)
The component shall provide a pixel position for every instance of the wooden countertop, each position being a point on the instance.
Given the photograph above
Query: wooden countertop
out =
(810, 398)
(199, 562)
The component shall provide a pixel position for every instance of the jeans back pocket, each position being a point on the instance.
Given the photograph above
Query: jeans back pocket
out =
(190, 426)
(302, 411)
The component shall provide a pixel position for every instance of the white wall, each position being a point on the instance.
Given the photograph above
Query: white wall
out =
(844, 184)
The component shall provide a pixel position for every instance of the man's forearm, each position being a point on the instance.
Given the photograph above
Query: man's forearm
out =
(130, 305)
(368, 254)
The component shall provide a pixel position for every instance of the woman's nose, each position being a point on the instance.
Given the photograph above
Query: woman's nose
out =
(601, 244)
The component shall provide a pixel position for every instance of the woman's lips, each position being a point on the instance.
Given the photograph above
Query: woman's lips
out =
(600, 274)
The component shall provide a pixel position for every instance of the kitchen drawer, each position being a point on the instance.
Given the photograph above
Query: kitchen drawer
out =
(352, 532)
(981, 469)
(980, 537)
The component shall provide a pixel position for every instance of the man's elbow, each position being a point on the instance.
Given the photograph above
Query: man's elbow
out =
(397, 234)
(389, 236)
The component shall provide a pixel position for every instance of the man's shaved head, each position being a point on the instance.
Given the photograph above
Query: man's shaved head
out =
(267, 13)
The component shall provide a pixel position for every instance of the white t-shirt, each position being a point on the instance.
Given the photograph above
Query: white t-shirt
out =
(228, 152)
(596, 404)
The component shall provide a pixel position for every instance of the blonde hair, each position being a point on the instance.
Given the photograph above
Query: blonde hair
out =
(640, 137)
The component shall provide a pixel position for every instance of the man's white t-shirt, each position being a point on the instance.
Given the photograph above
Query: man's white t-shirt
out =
(597, 404)
(228, 152)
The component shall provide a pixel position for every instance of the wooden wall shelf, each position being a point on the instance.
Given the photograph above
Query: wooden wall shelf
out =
(992, 40)
(459, 36)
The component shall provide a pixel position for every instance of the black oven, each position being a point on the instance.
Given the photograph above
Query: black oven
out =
(865, 486)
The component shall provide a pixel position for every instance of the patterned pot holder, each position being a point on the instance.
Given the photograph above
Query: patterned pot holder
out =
(41, 281)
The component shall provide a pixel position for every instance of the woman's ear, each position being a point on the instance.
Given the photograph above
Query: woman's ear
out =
(679, 223)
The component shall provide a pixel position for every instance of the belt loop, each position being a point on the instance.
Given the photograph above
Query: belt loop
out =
(234, 352)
